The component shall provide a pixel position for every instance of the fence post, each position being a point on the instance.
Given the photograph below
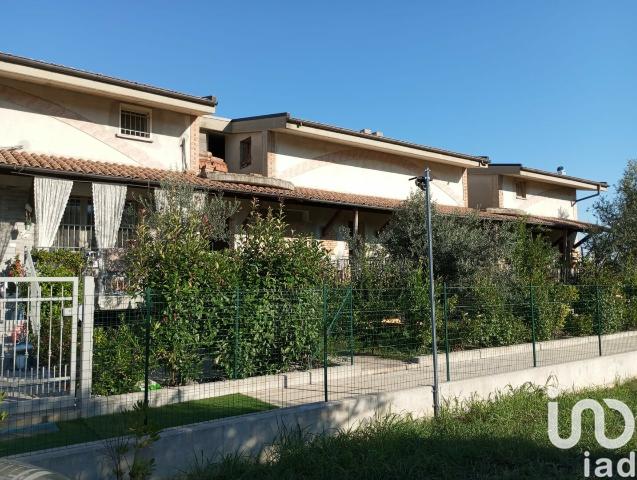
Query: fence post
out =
(86, 355)
(351, 325)
(598, 315)
(237, 313)
(532, 302)
(325, 342)
(74, 337)
(445, 316)
(148, 300)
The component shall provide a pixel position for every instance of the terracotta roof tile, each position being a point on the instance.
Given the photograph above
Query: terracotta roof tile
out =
(34, 163)
(76, 167)
(514, 216)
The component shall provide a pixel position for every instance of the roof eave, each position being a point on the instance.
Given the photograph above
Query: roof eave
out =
(64, 77)
(383, 144)
(519, 171)
(284, 122)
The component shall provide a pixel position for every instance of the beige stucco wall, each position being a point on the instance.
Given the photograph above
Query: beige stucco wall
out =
(330, 166)
(542, 199)
(61, 122)
(259, 152)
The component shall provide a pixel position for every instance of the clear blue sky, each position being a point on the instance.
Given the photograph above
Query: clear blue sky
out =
(544, 83)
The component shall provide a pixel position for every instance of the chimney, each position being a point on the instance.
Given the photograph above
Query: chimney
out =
(377, 133)
(366, 131)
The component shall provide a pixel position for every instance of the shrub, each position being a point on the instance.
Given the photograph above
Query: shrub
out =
(3, 414)
(172, 257)
(279, 278)
(485, 316)
(464, 246)
(57, 263)
(553, 305)
(118, 359)
(391, 311)
(609, 301)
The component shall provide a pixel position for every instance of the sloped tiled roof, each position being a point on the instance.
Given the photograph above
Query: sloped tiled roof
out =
(514, 216)
(20, 160)
(69, 167)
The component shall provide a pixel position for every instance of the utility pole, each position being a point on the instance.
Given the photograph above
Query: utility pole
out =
(424, 183)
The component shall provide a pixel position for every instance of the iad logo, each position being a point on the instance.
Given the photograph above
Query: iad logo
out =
(600, 424)
(601, 467)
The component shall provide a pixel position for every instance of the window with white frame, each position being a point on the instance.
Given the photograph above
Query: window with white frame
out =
(135, 122)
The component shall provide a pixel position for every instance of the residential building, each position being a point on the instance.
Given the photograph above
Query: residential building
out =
(76, 147)
(519, 189)
(333, 177)
(513, 189)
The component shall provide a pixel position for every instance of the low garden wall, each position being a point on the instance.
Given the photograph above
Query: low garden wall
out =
(180, 448)
(53, 409)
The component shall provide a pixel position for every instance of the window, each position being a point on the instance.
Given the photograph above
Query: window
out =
(135, 122)
(216, 145)
(127, 226)
(245, 153)
(520, 189)
(77, 227)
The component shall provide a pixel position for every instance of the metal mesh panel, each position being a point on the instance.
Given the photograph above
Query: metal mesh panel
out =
(222, 353)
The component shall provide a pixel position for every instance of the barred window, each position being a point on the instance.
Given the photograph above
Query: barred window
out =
(520, 189)
(76, 229)
(135, 122)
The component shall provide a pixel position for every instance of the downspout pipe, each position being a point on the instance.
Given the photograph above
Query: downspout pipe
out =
(599, 191)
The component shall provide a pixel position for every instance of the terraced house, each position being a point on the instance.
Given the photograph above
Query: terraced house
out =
(76, 147)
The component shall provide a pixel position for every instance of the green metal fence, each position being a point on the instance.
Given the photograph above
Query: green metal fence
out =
(161, 361)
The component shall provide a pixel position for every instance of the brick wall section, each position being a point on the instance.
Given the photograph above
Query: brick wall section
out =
(14, 234)
(271, 154)
(336, 248)
(500, 192)
(465, 188)
(194, 144)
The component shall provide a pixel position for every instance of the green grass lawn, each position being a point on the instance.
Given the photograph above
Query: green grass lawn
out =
(505, 438)
(108, 426)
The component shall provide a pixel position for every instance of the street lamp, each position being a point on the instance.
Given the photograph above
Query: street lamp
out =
(424, 183)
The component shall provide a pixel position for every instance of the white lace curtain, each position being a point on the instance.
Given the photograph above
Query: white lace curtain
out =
(161, 200)
(108, 208)
(51, 196)
(35, 293)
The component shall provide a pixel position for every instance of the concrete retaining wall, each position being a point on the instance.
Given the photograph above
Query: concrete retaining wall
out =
(66, 408)
(525, 348)
(178, 448)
